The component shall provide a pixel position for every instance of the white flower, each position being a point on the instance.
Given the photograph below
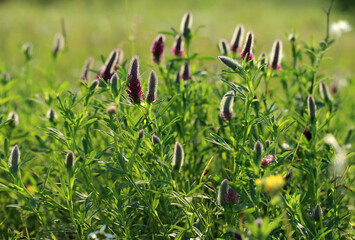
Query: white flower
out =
(100, 234)
(337, 28)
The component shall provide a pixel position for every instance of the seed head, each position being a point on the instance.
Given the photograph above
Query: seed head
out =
(58, 44)
(317, 213)
(13, 119)
(85, 72)
(248, 47)
(312, 108)
(94, 84)
(223, 47)
(324, 92)
(276, 55)
(186, 24)
(178, 47)
(178, 159)
(236, 42)
(114, 84)
(14, 158)
(258, 148)
(185, 72)
(267, 143)
(141, 134)
(69, 160)
(155, 139)
(111, 109)
(27, 50)
(226, 107)
(230, 63)
(52, 115)
(262, 61)
(157, 48)
(152, 87)
(223, 189)
(291, 37)
(134, 87)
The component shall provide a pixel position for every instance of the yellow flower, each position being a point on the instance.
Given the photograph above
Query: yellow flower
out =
(274, 183)
(30, 189)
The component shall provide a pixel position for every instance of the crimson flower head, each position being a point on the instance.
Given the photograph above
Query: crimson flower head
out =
(134, 87)
(231, 197)
(158, 48)
(266, 161)
(108, 69)
(185, 71)
(152, 87)
(248, 47)
(276, 56)
(178, 48)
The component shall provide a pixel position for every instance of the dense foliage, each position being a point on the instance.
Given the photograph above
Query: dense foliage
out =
(246, 150)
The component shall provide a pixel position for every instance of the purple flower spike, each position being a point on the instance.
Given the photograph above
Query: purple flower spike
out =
(231, 197)
(152, 87)
(119, 58)
(107, 70)
(157, 48)
(178, 48)
(134, 87)
(185, 71)
(248, 47)
(276, 55)
(236, 42)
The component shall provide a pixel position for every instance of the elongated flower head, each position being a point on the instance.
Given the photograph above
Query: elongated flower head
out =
(155, 139)
(111, 109)
(223, 189)
(178, 159)
(157, 48)
(226, 107)
(52, 115)
(248, 47)
(312, 108)
(119, 58)
(141, 134)
(267, 143)
(276, 55)
(152, 87)
(13, 119)
(69, 160)
(94, 84)
(109, 67)
(114, 84)
(317, 213)
(27, 50)
(236, 42)
(14, 158)
(178, 47)
(324, 92)
(230, 63)
(134, 87)
(258, 148)
(223, 47)
(262, 61)
(185, 72)
(58, 44)
(85, 72)
(186, 25)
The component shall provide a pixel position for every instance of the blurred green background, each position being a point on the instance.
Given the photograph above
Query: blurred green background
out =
(96, 27)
